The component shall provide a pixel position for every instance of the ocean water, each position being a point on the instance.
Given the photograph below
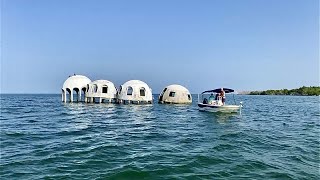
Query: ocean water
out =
(274, 137)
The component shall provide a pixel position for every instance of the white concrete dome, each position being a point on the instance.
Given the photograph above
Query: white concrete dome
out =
(77, 83)
(175, 94)
(102, 89)
(135, 91)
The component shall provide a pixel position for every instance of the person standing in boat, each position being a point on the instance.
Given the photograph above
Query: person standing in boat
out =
(217, 98)
(223, 96)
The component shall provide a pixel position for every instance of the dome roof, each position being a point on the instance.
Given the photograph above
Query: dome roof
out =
(101, 82)
(177, 87)
(76, 81)
(135, 83)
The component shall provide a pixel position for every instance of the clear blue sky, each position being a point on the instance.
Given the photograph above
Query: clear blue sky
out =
(245, 44)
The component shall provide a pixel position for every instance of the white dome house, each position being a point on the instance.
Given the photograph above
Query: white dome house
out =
(102, 90)
(135, 91)
(175, 94)
(74, 85)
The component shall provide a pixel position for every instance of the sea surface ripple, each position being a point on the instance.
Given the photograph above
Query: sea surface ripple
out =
(274, 137)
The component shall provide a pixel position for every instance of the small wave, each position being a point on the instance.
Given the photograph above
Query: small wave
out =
(278, 175)
(209, 160)
(150, 118)
(32, 121)
(15, 134)
(64, 113)
(254, 164)
(131, 173)
(231, 135)
(222, 147)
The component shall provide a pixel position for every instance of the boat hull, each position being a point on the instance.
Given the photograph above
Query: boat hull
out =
(219, 108)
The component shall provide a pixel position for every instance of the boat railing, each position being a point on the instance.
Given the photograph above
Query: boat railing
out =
(201, 98)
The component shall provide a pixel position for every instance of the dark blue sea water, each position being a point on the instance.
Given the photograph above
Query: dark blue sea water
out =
(275, 137)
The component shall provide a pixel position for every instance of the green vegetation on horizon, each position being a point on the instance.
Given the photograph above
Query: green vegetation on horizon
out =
(302, 91)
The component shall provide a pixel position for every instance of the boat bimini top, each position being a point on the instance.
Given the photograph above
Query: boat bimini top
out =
(226, 90)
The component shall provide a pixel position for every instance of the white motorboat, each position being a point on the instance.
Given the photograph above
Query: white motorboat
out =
(216, 104)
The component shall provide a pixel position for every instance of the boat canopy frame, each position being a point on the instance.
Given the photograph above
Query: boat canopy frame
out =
(226, 90)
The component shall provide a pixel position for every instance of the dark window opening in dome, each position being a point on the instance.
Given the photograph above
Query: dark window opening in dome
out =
(68, 95)
(105, 89)
(83, 93)
(142, 92)
(130, 90)
(189, 96)
(172, 94)
(75, 94)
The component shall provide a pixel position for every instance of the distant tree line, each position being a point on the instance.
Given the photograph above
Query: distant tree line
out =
(302, 91)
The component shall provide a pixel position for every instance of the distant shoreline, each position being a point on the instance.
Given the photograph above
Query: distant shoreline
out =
(302, 91)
